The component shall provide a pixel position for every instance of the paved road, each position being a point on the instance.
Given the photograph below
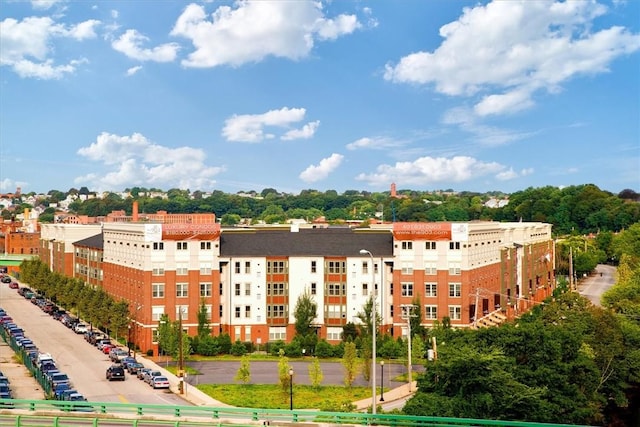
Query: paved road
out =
(593, 286)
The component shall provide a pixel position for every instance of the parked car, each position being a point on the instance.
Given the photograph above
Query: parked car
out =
(134, 367)
(106, 348)
(59, 378)
(14, 285)
(148, 376)
(141, 372)
(126, 360)
(160, 382)
(5, 392)
(117, 354)
(80, 328)
(115, 372)
(6, 279)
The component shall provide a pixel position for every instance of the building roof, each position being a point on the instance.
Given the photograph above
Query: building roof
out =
(341, 242)
(96, 242)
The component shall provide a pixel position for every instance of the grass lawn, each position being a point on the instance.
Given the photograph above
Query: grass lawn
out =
(328, 398)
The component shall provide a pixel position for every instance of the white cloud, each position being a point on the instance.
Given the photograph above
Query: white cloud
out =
(250, 127)
(306, 132)
(27, 45)
(10, 186)
(483, 134)
(134, 160)
(133, 70)
(508, 50)
(254, 30)
(510, 174)
(130, 44)
(320, 171)
(43, 4)
(431, 170)
(375, 143)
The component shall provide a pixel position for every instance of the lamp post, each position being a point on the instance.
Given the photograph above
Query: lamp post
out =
(135, 330)
(291, 389)
(382, 381)
(180, 352)
(373, 333)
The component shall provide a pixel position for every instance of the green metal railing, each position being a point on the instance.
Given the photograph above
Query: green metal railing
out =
(96, 410)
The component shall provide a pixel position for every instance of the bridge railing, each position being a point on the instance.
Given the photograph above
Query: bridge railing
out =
(254, 415)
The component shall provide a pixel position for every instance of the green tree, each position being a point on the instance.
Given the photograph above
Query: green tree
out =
(350, 363)
(305, 312)
(283, 371)
(244, 372)
(204, 327)
(315, 373)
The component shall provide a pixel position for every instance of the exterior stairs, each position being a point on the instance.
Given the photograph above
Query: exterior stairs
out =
(495, 318)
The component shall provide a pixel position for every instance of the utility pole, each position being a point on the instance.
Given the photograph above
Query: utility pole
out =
(180, 352)
(407, 313)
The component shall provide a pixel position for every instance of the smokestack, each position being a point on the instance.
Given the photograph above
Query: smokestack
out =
(134, 212)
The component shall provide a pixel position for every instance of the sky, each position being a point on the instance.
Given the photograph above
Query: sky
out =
(326, 95)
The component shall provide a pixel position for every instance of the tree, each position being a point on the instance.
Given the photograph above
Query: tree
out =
(305, 312)
(244, 372)
(315, 373)
(283, 371)
(204, 327)
(350, 363)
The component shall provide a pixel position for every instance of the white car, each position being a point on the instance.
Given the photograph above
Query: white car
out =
(81, 328)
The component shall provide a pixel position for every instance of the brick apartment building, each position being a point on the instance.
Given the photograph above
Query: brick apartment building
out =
(251, 279)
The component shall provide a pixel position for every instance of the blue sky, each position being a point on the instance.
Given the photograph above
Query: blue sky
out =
(327, 95)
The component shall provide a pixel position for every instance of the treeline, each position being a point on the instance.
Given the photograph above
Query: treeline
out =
(566, 361)
(578, 209)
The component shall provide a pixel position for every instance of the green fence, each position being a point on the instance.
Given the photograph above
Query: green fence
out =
(95, 410)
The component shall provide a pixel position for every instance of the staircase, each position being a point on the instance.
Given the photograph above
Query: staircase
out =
(495, 318)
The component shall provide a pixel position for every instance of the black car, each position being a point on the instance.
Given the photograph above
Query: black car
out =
(115, 372)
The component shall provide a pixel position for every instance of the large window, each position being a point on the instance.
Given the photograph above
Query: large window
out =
(335, 289)
(408, 245)
(455, 312)
(276, 311)
(276, 267)
(206, 289)
(431, 312)
(336, 267)
(335, 311)
(182, 269)
(430, 268)
(455, 290)
(454, 246)
(275, 289)
(157, 290)
(157, 270)
(278, 333)
(430, 289)
(407, 268)
(407, 289)
(205, 268)
(158, 246)
(205, 246)
(156, 312)
(430, 246)
(454, 268)
(182, 290)
(181, 246)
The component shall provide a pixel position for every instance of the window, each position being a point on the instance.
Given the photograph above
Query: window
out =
(158, 246)
(430, 246)
(391, 311)
(430, 268)
(247, 289)
(365, 267)
(236, 289)
(181, 246)
(205, 268)
(237, 267)
(336, 267)
(237, 312)
(314, 289)
(157, 290)
(334, 334)
(314, 267)
(157, 270)
(247, 311)
(365, 289)
(182, 290)
(154, 335)
(407, 268)
(455, 289)
(407, 289)
(247, 267)
(334, 289)
(206, 289)
(275, 289)
(430, 289)
(278, 333)
(431, 312)
(454, 246)
(205, 246)
(454, 268)
(407, 245)
(182, 269)
(208, 309)
(455, 312)
(335, 311)
(156, 312)
(276, 267)
(220, 288)
(276, 311)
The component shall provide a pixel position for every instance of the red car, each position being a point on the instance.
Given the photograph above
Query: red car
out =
(14, 285)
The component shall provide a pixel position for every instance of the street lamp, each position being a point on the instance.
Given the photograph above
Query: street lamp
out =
(382, 381)
(180, 352)
(373, 333)
(291, 389)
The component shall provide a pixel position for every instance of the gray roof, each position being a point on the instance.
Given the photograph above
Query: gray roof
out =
(95, 242)
(340, 242)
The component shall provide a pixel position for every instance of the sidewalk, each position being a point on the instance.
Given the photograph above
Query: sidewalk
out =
(198, 398)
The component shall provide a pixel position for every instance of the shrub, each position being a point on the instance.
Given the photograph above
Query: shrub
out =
(324, 349)
(238, 348)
